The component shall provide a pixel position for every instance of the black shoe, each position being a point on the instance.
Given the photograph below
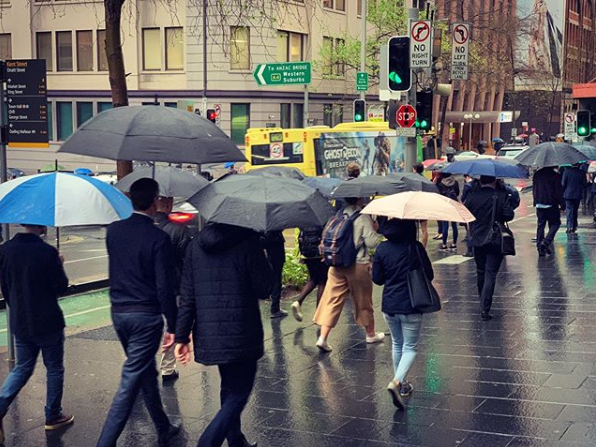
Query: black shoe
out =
(541, 251)
(169, 378)
(245, 444)
(486, 316)
(548, 248)
(165, 439)
(468, 254)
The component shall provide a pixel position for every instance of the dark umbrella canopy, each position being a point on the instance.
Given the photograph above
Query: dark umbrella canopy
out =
(550, 155)
(173, 182)
(586, 148)
(152, 133)
(262, 203)
(279, 171)
(488, 167)
(377, 185)
(325, 185)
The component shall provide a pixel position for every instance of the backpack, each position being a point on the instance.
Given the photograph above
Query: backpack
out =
(309, 240)
(337, 244)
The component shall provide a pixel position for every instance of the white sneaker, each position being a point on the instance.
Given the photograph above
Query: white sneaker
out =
(378, 337)
(296, 311)
(324, 346)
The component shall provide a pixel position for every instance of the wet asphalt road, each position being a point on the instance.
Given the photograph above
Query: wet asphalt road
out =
(525, 379)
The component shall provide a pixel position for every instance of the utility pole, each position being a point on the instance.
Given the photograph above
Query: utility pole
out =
(411, 154)
(205, 11)
(363, 17)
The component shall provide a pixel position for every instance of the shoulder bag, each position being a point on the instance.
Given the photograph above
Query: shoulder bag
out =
(502, 236)
(423, 295)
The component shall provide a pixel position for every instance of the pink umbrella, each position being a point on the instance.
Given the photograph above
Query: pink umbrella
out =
(431, 162)
(417, 205)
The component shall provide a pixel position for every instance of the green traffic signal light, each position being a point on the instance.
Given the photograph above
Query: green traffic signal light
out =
(357, 117)
(582, 131)
(393, 76)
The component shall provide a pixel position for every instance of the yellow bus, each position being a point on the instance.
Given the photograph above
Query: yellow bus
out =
(325, 151)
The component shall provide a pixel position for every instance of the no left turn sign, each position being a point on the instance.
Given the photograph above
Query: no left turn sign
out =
(461, 34)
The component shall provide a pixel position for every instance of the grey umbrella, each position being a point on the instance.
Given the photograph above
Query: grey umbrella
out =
(173, 182)
(279, 171)
(376, 185)
(550, 155)
(152, 133)
(262, 203)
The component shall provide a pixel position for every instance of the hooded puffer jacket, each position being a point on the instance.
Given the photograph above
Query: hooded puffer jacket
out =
(449, 187)
(225, 275)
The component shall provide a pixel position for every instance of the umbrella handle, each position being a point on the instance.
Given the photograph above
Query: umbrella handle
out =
(58, 239)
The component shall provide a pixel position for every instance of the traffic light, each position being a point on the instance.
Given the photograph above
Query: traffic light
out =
(359, 110)
(583, 123)
(424, 109)
(212, 115)
(400, 74)
(592, 123)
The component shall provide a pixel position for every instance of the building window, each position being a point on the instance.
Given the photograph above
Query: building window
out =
(359, 6)
(50, 115)
(44, 49)
(290, 46)
(328, 115)
(84, 112)
(240, 48)
(298, 115)
(340, 67)
(84, 50)
(332, 48)
(64, 119)
(64, 50)
(338, 5)
(102, 57)
(174, 49)
(338, 114)
(283, 39)
(151, 49)
(240, 122)
(285, 115)
(328, 49)
(5, 46)
(103, 106)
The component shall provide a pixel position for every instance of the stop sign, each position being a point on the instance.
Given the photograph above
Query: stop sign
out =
(406, 116)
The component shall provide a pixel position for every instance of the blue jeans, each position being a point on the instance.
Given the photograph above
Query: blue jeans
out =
(27, 350)
(445, 231)
(237, 380)
(405, 330)
(140, 335)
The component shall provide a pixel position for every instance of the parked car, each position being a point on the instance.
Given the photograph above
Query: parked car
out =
(469, 155)
(511, 151)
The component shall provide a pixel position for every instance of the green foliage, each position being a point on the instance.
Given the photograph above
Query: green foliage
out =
(294, 273)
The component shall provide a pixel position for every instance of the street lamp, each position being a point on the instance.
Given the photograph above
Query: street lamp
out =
(469, 116)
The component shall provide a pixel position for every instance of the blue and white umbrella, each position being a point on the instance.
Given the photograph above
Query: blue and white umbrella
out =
(61, 200)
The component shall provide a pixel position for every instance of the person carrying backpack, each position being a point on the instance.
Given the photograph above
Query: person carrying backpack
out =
(348, 239)
(309, 240)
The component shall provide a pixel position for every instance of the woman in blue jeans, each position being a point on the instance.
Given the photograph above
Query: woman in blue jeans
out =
(392, 262)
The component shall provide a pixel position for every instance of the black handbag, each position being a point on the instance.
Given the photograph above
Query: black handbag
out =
(423, 295)
(502, 236)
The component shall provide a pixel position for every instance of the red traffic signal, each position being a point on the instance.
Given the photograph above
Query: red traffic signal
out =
(212, 115)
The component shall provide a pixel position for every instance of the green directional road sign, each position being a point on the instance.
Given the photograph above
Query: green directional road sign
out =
(286, 73)
(361, 81)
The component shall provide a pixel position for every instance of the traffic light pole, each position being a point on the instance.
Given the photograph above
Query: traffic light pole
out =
(411, 154)
(363, 14)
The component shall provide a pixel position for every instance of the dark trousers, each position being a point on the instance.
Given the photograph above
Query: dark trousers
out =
(140, 335)
(445, 231)
(237, 380)
(488, 262)
(572, 206)
(553, 218)
(27, 350)
(277, 257)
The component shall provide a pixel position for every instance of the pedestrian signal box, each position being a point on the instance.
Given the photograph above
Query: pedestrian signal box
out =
(399, 72)
(424, 109)
(583, 123)
(212, 115)
(359, 110)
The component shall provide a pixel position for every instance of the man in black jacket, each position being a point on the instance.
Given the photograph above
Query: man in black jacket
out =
(180, 236)
(142, 288)
(488, 204)
(32, 278)
(225, 275)
(274, 244)
(548, 199)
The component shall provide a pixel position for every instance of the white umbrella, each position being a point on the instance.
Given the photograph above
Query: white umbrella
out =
(418, 205)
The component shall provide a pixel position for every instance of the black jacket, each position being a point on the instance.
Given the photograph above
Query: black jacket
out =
(574, 183)
(142, 270)
(392, 261)
(480, 203)
(547, 188)
(32, 278)
(449, 187)
(225, 275)
(180, 236)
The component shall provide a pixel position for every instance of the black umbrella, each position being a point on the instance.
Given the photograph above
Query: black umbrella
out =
(262, 204)
(173, 182)
(376, 185)
(152, 133)
(549, 155)
(279, 171)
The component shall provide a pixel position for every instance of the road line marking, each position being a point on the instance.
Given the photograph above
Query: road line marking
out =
(76, 314)
(85, 259)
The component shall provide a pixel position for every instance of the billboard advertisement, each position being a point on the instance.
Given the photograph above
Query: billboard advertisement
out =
(376, 152)
(540, 44)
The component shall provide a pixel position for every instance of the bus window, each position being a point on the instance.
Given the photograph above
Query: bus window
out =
(277, 153)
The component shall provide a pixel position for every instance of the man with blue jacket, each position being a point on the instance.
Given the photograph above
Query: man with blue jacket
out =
(142, 289)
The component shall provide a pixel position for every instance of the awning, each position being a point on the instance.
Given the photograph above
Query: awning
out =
(581, 91)
(484, 117)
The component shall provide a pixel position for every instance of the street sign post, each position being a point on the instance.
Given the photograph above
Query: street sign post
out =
(460, 54)
(406, 116)
(420, 44)
(362, 81)
(27, 104)
(570, 131)
(287, 73)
